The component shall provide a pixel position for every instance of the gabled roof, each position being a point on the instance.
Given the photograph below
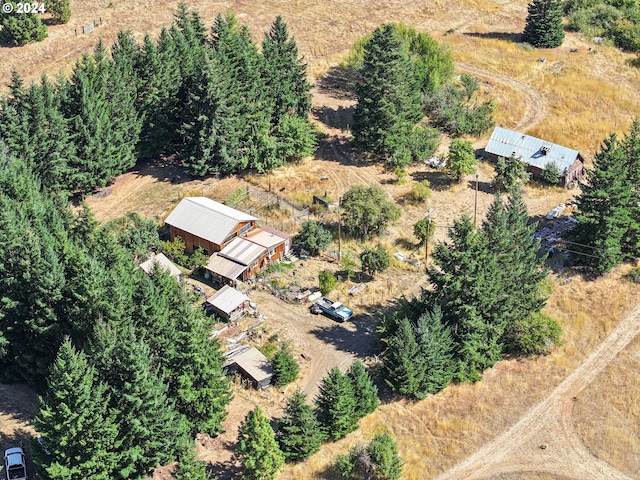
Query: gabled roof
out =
(206, 218)
(276, 232)
(163, 262)
(533, 151)
(227, 299)
(242, 251)
(254, 364)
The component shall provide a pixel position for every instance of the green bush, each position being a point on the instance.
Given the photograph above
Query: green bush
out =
(327, 282)
(551, 173)
(420, 229)
(420, 192)
(534, 335)
(634, 275)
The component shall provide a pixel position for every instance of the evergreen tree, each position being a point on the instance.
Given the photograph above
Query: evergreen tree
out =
(21, 28)
(631, 147)
(604, 209)
(189, 467)
(511, 173)
(404, 369)
(76, 422)
(336, 405)
(388, 97)
(285, 367)
(177, 335)
(299, 434)
(467, 284)
(436, 352)
(544, 27)
(383, 454)
(285, 73)
(461, 160)
(151, 430)
(60, 10)
(364, 390)
(258, 452)
(121, 96)
(159, 72)
(86, 106)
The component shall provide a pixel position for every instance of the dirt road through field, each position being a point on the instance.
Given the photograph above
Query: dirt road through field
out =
(543, 440)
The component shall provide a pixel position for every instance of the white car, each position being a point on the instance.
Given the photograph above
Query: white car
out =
(15, 464)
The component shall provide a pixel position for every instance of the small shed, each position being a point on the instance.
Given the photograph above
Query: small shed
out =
(255, 366)
(536, 153)
(164, 263)
(228, 303)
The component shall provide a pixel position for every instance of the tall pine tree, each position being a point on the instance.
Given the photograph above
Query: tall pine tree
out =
(364, 390)
(544, 27)
(258, 452)
(388, 96)
(299, 434)
(604, 209)
(77, 423)
(336, 405)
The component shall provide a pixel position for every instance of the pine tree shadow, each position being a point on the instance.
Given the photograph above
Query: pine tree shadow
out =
(508, 36)
(339, 82)
(484, 187)
(438, 180)
(339, 117)
(357, 337)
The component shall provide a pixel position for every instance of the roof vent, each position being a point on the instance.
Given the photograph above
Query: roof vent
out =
(545, 149)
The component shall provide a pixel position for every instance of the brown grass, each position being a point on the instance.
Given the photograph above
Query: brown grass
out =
(588, 94)
(438, 432)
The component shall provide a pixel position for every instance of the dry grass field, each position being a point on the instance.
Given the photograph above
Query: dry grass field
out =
(574, 98)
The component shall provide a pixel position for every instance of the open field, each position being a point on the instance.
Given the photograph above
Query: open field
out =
(574, 99)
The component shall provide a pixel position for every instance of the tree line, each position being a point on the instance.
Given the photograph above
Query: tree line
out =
(122, 360)
(213, 99)
(343, 399)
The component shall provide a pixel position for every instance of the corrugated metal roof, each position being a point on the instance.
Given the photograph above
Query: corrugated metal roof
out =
(224, 267)
(264, 238)
(206, 218)
(243, 251)
(255, 364)
(505, 143)
(164, 263)
(227, 299)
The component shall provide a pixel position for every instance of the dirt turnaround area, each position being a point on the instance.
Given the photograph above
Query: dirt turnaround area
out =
(543, 440)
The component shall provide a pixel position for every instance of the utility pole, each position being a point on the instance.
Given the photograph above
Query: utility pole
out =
(475, 204)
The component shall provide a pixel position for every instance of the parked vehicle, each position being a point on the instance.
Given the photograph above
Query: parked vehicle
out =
(335, 310)
(14, 464)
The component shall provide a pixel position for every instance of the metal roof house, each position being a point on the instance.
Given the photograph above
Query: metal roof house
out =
(253, 365)
(205, 223)
(536, 153)
(228, 303)
(164, 263)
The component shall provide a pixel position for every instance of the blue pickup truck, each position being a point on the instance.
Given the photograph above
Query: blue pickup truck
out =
(335, 310)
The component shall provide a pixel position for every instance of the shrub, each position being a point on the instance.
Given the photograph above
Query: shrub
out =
(314, 237)
(420, 192)
(534, 335)
(327, 282)
(551, 173)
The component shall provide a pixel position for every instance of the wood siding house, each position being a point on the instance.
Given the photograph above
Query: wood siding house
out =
(252, 365)
(205, 223)
(537, 154)
(238, 249)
